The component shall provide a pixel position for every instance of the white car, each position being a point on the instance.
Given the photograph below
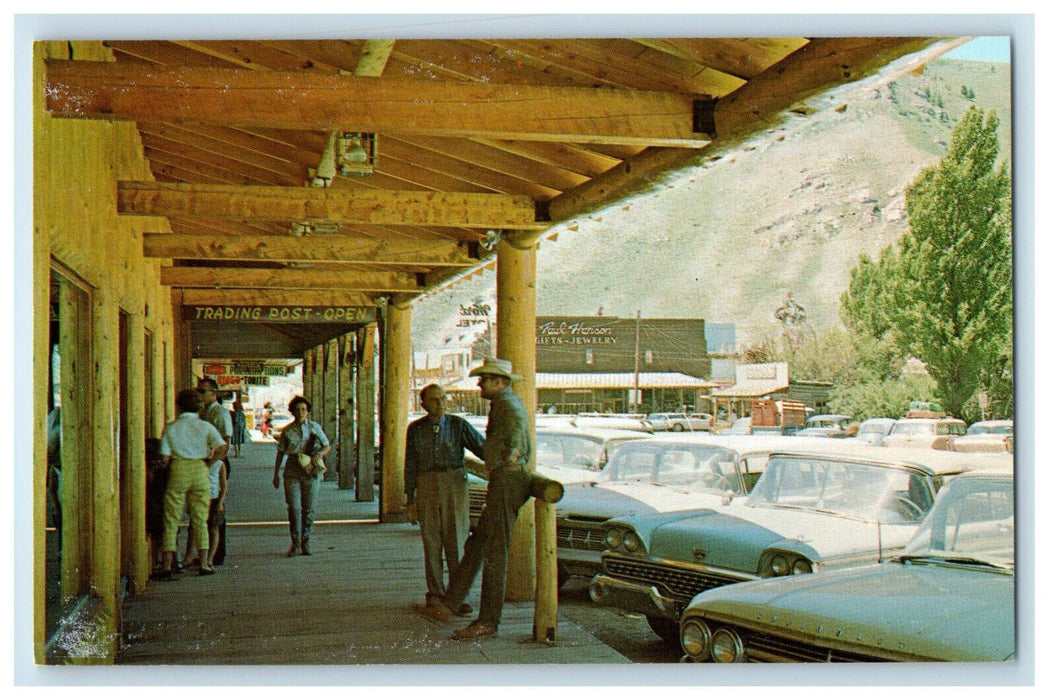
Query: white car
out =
(931, 433)
(678, 422)
(986, 436)
(663, 474)
(873, 430)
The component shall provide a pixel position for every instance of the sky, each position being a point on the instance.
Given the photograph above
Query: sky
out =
(984, 48)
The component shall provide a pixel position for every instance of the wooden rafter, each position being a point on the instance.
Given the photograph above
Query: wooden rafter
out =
(389, 207)
(275, 297)
(818, 66)
(255, 278)
(331, 248)
(283, 99)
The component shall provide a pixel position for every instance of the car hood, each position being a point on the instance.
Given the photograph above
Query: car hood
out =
(598, 501)
(736, 536)
(951, 613)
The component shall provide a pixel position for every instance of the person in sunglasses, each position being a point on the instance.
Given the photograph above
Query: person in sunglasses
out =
(436, 486)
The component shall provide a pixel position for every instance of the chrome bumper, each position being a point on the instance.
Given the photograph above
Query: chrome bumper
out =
(636, 597)
(579, 562)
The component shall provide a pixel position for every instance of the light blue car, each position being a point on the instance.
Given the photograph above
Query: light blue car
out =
(948, 597)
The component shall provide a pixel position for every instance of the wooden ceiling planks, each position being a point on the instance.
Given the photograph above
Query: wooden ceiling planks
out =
(475, 153)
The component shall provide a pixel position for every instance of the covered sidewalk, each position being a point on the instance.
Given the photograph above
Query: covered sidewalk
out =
(348, 603)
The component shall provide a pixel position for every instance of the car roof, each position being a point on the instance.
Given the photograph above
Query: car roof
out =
(603, 433)
(878, 420)
(947, 419)
(829, 416)
(745, 443)
(989, 423)
(931, 461)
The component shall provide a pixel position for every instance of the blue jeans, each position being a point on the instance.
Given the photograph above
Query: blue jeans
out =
(488, 546)
(300, 492)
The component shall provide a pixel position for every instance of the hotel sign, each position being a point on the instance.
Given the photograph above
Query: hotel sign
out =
(575, 333)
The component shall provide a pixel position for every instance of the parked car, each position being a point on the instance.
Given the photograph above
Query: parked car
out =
(948, 597)
(986, 436)
(613, 421)
(662, 474)
(741, 426)
(810, 511)
(933, 433)
(677, 422)
(565, 454)
(873, 430)
(826, 425)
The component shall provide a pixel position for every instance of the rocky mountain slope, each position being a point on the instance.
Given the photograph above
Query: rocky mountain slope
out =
(790, 213)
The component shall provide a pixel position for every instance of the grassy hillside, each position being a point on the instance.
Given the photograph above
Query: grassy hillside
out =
(790, 213)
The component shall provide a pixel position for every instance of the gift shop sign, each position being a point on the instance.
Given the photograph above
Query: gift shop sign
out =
(574, 333)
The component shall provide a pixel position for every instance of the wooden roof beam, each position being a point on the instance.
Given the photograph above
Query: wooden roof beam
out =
(276, 297)
(326, 248)
(303, 100)
(358, 206)
(819, 66)
(255, 278)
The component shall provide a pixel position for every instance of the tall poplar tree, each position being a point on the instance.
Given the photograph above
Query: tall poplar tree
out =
(946, 298)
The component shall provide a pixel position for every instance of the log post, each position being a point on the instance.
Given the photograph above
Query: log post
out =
(346, 411)
(533, 552)
(394, 408)
(366, 403)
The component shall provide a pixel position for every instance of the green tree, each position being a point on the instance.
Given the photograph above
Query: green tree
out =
(945, 297)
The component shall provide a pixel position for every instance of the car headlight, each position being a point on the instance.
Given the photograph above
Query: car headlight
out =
(613, 538)
(726, 647)
(696, 639)
(802, 566)
(779, 565)
(631, 542)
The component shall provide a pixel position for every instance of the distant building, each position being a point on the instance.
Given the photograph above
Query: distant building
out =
(587, 363)
(767, 380)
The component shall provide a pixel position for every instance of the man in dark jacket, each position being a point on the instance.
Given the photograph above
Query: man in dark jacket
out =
(436, 486)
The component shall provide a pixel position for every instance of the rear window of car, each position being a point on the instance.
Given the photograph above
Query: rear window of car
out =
(913, 429)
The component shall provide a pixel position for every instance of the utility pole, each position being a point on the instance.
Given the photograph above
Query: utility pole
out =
(637, 345)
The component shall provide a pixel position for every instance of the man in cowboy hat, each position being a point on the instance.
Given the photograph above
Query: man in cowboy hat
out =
(507, 453)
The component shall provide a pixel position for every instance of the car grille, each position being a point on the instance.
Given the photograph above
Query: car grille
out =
(681, 584)
(761, 647)
(589, 539)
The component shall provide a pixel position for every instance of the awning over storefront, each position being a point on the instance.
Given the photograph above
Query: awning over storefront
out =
(757, 380)
(604, 380)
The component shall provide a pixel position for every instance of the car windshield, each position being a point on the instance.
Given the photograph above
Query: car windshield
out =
(913, 429)
(973, 519)
(990, 430)
(555, 449)
(851, 489)
(704, 468)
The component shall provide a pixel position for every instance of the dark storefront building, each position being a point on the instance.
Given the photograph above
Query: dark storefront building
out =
(595, 363)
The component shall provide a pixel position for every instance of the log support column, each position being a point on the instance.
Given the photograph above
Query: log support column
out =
(345, 462)
(533, 552)
(396, 381)
(329, 401)
(366, 403)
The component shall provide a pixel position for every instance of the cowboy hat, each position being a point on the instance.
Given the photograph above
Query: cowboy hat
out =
(497, 367)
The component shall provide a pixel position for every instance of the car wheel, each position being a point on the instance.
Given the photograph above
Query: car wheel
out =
(666, 629)
(678, 427)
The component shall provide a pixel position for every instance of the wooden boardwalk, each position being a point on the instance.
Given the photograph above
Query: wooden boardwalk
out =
(348, 603)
